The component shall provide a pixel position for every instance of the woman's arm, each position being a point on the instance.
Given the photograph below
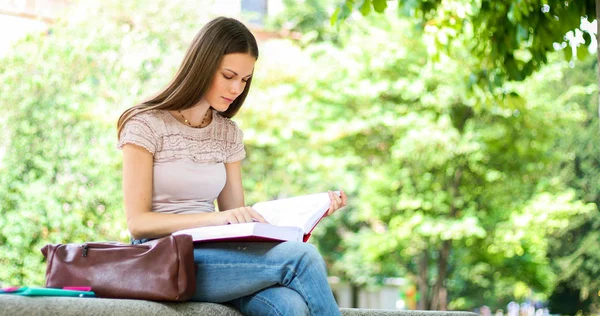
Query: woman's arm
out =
(137, 194)
(231, 199)
(232, 195)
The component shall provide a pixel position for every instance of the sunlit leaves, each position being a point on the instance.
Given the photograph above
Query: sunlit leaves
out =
(498, 31)
(444, 162)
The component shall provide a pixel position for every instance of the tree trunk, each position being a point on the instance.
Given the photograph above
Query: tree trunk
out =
(354, 290)
(439, 299)
(422, 280)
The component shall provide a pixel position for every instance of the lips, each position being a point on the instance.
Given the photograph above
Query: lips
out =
(227, 99)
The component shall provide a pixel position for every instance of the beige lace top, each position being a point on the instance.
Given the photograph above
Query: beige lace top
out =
(189, 170)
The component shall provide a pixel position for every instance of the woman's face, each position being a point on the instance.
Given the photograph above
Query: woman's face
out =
(230, 80)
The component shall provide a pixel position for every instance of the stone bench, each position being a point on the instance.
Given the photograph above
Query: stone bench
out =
(20, 305)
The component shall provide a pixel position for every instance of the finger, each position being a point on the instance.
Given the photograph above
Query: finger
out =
(237, 216)
(336, 199)
(331, 211)
(231, 219)
(256, 216)
(224, 218)
(244, 215)
(344, 197)
(333, 196)
(331, 200)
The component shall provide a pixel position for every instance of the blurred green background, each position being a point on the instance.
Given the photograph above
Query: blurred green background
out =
(476, 188)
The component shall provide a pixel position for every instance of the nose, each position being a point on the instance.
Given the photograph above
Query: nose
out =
(236, 87)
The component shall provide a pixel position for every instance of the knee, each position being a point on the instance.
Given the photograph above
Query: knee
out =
(293, 304)
(303, 252)
(290, 303)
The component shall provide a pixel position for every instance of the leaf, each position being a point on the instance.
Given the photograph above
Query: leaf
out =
(514, 101)
(346, 11)
(587, 37)
(568, 53)
(514, 14)
(379, 5)
(364, 6)
(522, 33)
(582, 53)
(408, 7)
(335, 16)
(342, 12)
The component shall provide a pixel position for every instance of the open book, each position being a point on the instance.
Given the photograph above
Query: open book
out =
(289, 219)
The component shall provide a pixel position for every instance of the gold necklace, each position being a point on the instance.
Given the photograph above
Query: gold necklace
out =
(190, 124)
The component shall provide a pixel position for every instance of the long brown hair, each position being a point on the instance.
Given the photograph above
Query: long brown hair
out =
(217, 38)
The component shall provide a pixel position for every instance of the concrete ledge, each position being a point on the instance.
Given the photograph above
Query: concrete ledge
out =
(21, 305)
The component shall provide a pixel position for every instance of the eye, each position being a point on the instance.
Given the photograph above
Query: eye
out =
(228, 78)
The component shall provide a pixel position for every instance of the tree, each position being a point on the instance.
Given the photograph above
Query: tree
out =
(306, 17)
(574, 251)
(435, 171)
(511, 39)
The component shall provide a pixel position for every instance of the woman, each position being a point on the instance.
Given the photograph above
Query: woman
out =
(181, 151)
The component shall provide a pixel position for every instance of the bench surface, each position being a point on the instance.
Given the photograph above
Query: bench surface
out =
(21, 305)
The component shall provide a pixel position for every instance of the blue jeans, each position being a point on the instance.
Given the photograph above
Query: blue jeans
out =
(264, 278)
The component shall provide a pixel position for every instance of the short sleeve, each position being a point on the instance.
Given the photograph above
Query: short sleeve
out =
(235, 151)
(138, 131)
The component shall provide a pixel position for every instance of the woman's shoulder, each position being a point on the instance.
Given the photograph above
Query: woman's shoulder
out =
(143, 129)
(150, 116)
(155, 120)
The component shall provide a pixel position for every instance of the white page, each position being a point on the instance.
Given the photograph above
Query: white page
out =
(300, 211)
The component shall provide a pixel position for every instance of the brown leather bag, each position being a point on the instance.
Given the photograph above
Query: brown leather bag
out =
(159, 270)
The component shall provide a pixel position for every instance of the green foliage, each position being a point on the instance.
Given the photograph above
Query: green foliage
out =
(344, 10)
(511, 39)
(437, 159)
(307, 19)
(574, 250)
(565, 300)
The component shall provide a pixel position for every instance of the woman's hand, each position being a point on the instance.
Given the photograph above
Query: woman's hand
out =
(337, 202)
(239, 215)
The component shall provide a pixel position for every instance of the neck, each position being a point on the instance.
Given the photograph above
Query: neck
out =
(197, 116)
